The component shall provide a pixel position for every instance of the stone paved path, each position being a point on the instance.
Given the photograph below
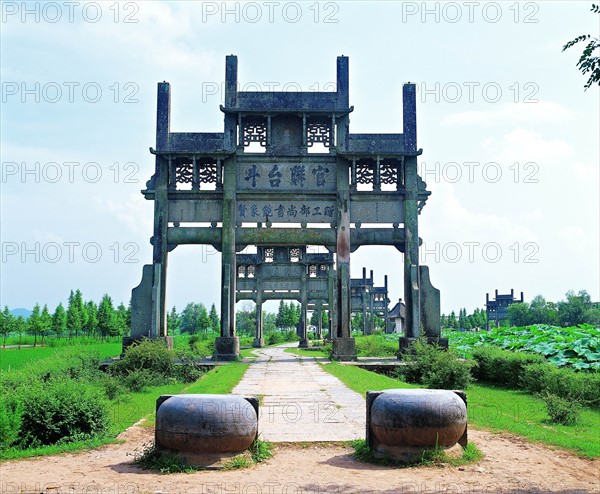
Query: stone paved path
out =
(300, 401)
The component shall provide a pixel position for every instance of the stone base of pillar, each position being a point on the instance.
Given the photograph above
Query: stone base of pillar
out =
(132, 340)
(227, 348)
(258, 342)
(344, 349)
(405, 344)
(303, 343)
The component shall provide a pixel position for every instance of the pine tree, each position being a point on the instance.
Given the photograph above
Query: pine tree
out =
(91, 323)
(203, 319)
(6, 323)
(173, 321)
(120, 326)
(215, 322)
(20, 327)
(45, 322)
(106, 316)
(281, 315)
(59, 320)
(33, 323)
(74, 316)
(82, 311)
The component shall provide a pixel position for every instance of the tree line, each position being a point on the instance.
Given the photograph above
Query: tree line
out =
(80, 318)
(577, 308)
(477, 319)
(196, 318)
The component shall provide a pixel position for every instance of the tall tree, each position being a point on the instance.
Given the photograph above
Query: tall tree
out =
(74, 316)
(106, 316)
(518, 314)
(82, 311)
(589, 62)
(20, 327)
(190, 317)
(33, 323)
(172, 322)
(6, 323)
(120, 325)
(215, 322)
(91, 322)
(203, 319)
(280, 320)
(573, 310)
(45, 322)
(59, 320)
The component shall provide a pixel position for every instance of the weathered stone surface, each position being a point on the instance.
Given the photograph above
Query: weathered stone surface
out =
(430, 305)
(205, 424)
(141, 305)
(344, 349)
(227, 348)
(402, 423)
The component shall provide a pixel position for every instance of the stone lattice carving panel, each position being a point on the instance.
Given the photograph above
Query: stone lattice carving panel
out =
(318, 132)
(255, 130)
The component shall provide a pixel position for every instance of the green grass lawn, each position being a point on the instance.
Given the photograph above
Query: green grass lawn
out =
(496, 409)
(14, 358)
(307, 353)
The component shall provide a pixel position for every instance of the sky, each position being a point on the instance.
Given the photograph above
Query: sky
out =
(510, 138)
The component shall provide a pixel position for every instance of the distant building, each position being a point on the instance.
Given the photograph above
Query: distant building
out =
(497, 309)
(396, 318)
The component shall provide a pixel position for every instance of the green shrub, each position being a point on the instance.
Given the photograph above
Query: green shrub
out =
(153, 356)
(11, 412)
(376, 345)
(583, 387)
(112, 387)
(137, 380)
(186, 370)
(201, 347)
(274, 338)
(436, 369)
(502, 367)
(59, 412)
(561, 410)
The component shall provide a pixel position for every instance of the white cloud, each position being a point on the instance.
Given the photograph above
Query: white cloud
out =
(524, 145)
(516, 113)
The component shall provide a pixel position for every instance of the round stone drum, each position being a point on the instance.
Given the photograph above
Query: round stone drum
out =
(211, 424)
(405, 422)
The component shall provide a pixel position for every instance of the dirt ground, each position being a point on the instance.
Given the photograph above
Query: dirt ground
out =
(511, 465)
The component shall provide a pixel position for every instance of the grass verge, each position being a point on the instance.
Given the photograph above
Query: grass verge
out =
(430, 457)
(15, 358)
(307, 352)
(497, 409)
